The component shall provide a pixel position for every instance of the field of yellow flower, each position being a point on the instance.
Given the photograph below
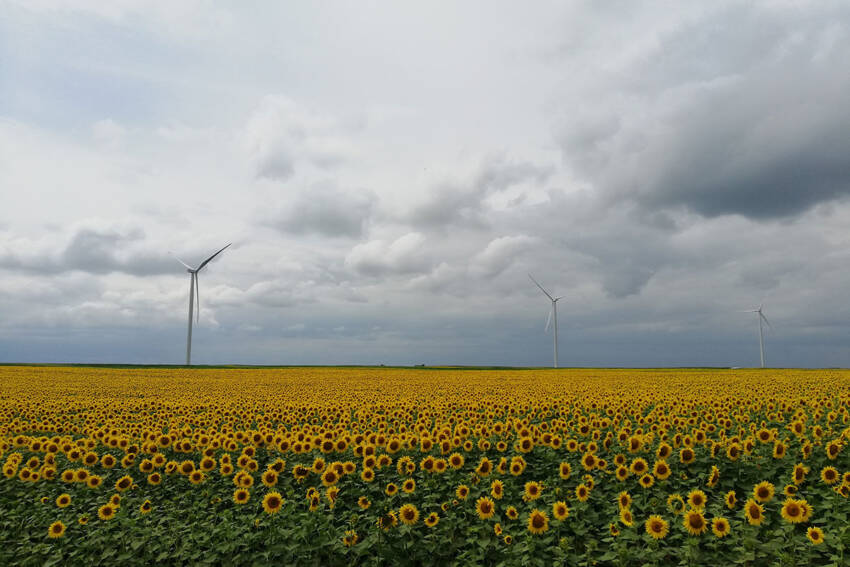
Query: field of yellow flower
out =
(342, 466)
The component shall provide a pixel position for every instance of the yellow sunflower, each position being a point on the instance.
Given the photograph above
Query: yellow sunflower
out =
(538, 522)
(272, 502)
(694, 522)
(56, 530)
(657, 527)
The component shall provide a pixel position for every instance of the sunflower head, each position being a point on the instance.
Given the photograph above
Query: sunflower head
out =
(538, 522)
(720, 527)
(815, 535)
(56, 530)
(657, 527)
(694, 522)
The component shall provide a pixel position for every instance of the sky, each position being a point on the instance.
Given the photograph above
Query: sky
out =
(389, 173)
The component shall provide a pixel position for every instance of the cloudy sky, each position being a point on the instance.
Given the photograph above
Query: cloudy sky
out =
(389, 173)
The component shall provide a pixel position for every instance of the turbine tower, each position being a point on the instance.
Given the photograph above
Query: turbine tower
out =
(552, 318)
(195, 296)
(761, 318)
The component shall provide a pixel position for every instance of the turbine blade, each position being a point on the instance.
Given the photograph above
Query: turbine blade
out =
(197, 299)
(541, 287)
(208, 260)
(188, 267)
(765, 320)
(548, 321)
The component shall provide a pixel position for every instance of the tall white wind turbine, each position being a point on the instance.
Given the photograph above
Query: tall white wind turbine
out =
(195, 296)
(761, 319)
(552, 318)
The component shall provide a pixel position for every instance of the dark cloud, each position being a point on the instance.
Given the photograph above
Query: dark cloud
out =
(459, 204)
(742, 112)
(325, 210)
(93, 251)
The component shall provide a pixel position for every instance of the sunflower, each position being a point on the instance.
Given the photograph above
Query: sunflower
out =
(511, 513)
(391, 489)
(197, 477)
(349, 539)
(560, 510)
(367, 475)
(272, 502)
(696, 499)
(720, 527)
(538, 522)
(388, 521)
(790, 490)
(241, 495)
(106, 512)
(657, 527)
(83, 520)
(115, 501)
(588, 461)
(798, 473)
(713, 477)
(408, 486)
(485, 507)
(764, 491)
(462, 492)
(456, 461)
(647, 481)
(661, 470)
(332, 493)
(123, 483)
(485, 467)
(622, 473)
(832, 449)
(508, 539)
(731, 499)
(626, 517)
(63, 500)
(829, 475)
(524, 444)
(532, 491)
(363, 503)
(815, 535)
(754, 512)
(186, 467)
(639, 466)
(779, 450)
(432, 519)
(517, 465)
(613, 529)
(793, 511)
(56, 530)
(565, 470)
(687, 456)
(497, 489)
(694, 522)
(409, 514)
(582, 492)
(146, 507)
(269, 478)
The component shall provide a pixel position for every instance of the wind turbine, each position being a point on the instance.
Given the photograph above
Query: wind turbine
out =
(552, 318)
(195, 295)
(761, 318)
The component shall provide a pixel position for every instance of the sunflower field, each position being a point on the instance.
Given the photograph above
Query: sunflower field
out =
(382, 466)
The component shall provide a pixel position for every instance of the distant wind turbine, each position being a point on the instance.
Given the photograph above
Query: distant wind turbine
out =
(760, 318)
(552, 318)
(195, 295)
